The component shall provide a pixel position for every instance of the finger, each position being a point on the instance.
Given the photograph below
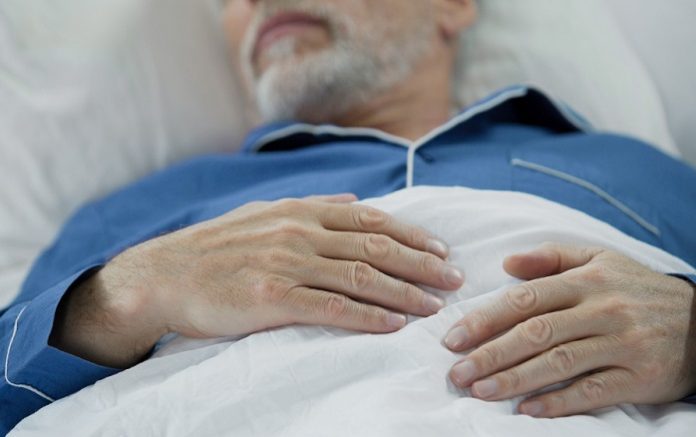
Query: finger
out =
(599, 390)
(365, 283)
(549, 259)
(518, 304)
(361, 218)
(562, 363)
(392, 257)
(317, 307)
(524, 341)
(335, 198)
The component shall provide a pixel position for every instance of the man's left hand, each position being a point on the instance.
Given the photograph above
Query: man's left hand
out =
(625, 333)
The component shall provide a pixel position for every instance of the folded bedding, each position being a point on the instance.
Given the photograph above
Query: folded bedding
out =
(313, 381)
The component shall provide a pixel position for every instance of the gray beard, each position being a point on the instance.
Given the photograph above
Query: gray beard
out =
(319, 88)
(323, 86)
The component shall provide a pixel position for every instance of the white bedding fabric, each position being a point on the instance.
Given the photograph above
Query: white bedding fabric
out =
(308, 381)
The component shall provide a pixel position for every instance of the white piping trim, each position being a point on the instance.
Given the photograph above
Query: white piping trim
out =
(591, 187)
(7, 363)
(569, 114)
(464, 116)
(330, 130)
(412, 147)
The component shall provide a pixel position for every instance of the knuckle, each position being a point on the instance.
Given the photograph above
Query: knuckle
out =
(429, 264)
(651, 371)
(597, 274)
(410, 294)
(646, 372)
(590, 252)
(488, 358)
(512, 380)
(523, 299)
(593, 390)
(377, 247)
(273, 290)
(369, 218)
(561, 361)
(290, 205)
(256, 207)
(371, 317)
(634, 339)
(280, 258)
(616, 308)
(403, 292)
(360, 275)
(291, 230)
(416, 237)
(482, 325)
(336, 307)
(536, 332)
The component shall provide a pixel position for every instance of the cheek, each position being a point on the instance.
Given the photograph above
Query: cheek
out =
(237, 18)
(383, 18)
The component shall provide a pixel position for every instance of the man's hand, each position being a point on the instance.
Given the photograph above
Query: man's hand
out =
(318, 261)
(626, 333)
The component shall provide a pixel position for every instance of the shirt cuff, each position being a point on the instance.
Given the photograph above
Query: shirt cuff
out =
(32, 364)
(686, 277)
(690, 278)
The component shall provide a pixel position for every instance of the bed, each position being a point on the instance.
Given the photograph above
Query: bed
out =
(87, 105)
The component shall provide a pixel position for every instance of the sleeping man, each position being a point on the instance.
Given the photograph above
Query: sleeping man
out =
(355, 97)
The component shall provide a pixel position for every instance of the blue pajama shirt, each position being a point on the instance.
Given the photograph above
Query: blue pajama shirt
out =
(515, 140)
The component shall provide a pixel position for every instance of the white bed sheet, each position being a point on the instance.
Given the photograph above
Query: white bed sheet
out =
(308, 381)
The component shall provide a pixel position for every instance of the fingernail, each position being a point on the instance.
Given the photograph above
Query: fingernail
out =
(463, 372)
(433, 303)
(485, 388)
(437, 247)
(453, 276)
(534, 408)
(456, 338)
(397, 321)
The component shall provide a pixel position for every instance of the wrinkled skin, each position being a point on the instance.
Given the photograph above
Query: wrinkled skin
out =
(624, 332)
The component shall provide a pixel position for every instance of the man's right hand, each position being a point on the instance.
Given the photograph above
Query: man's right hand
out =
(319, 261)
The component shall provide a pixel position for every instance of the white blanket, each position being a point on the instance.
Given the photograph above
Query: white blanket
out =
(309, 381)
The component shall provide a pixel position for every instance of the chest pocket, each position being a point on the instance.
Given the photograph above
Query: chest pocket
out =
(581, 185)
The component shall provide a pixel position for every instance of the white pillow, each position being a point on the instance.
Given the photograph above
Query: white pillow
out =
(95, 93)
(573, 50)
(663, 34)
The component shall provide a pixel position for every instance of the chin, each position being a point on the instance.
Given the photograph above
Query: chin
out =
(305, 87)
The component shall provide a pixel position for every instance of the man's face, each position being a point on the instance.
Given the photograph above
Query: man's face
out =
(315, 59)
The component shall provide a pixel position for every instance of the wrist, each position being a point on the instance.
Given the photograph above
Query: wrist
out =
(688, 287)
(129, 307)
(107, 319)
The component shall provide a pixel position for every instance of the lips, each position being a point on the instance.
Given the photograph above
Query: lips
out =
(281, 25)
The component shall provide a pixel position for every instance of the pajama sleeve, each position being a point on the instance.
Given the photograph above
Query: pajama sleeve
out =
(34, 373)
